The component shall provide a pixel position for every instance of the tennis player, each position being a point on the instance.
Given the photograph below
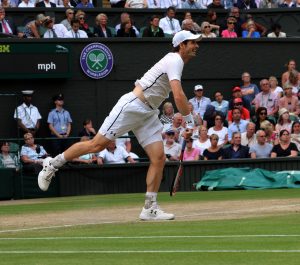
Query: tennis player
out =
(137, 111)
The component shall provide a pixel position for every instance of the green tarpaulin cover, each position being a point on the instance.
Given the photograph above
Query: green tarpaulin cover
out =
(248, 178)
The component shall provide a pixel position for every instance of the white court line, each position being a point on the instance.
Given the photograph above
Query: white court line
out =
(142, 237)
(150, 251)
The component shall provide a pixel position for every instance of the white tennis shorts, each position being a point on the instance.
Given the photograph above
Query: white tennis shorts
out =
(131, 114)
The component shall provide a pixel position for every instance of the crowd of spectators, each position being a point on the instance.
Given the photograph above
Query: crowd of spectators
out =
(257, 122)
(75, 24)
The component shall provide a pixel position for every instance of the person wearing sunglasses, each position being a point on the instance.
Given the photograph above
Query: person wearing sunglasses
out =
(230, 31)
(245, 114)
(206, 30)
(83, 25)
(191, 153)
(261, 116)
(285, 148)
(69, 16)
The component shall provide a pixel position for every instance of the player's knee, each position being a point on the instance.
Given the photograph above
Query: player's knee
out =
(158, 159)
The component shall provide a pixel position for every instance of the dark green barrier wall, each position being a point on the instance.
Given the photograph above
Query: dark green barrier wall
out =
(218, 66)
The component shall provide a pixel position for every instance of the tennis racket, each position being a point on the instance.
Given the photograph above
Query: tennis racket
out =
(176, 181)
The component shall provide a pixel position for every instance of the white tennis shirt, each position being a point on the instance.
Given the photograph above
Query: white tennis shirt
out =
(156, 81)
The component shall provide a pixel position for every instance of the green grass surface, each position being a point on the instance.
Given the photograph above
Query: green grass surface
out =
(253, 241)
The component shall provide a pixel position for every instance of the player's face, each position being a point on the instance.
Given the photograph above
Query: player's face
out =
(190, 48)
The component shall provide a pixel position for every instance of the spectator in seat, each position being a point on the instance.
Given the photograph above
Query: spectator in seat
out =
(32, 28)
(60, 124)
(284, 122)
(169, 23)
(171, 148)
(199, 101)
(32, 155)
(212, 19)
(271, 135)
(291, 65)
(69, 16)
(220, 104)
(266, 98)
(189, 24)
(206, 30)
(251, 30)
(216, 4)
(289, 101)
(124, 18)
(28, 116)
(237, 93)
(246, 4)
(167, 113)
(238, 124)
(85, 4)
(285, 148)
(295, 134)
(276, 32)
(114, 155)
(81, 16)
(45, 3)
(8, 159)
(7, 25)
(153, 30)
(190, 153)
(249, 137)
(230, 31)
(261, 149)
(88, 158)
(126, 30)
(191, 4)
(261, 115)
(287, 4)
(275, 88)
(245, 114)
(249, 90)
(153, 3)
(117, 3)
(26, 3)
(176, 126)
(220, 130)
(215, 151)
(75, 32)
(136, 4)
(101, 29)
(54, 30)
(88, 129)
(260, 28)
(203, 141)
(268, 4)
(236, 150)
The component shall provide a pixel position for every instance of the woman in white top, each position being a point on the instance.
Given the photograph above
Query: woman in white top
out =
(219, 130)
(284, 122)
(206, 30)
(203, 141)
(274, 86)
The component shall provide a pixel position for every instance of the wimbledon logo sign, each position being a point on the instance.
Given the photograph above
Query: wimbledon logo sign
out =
(96, 60)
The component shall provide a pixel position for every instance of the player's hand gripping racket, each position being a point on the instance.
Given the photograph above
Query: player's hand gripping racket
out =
(176, 181)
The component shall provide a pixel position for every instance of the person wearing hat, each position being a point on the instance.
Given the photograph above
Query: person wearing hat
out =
(266, 98)
(199, 101)
(284, 121)
(54, 30)
(237, 93)
(171, 148)
(60, 124)
(137, 111)
(245, 114)
(289, 101)
(27, 116)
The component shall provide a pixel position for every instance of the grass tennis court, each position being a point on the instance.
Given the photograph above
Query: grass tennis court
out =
(215, 228)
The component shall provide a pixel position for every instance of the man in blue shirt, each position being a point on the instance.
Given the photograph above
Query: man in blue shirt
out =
(236, 150)
(85, 4)
(59, 121)
(238, 124)
(249, 90)
(199, 101)
(220, 104)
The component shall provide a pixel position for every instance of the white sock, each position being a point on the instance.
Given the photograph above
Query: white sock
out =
(58, 161)
(150, 199)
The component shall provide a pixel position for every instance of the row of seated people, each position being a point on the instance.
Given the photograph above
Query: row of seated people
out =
(233, 26)
(185, 4)
(30, 157)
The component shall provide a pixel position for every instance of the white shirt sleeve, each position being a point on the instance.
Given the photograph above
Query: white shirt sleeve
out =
(174, 68)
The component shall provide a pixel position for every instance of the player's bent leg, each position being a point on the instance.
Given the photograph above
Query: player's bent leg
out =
(151, 210)
(51, 165)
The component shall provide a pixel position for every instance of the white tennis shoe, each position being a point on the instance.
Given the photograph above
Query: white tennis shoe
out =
(155, 213)
(47, 173)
